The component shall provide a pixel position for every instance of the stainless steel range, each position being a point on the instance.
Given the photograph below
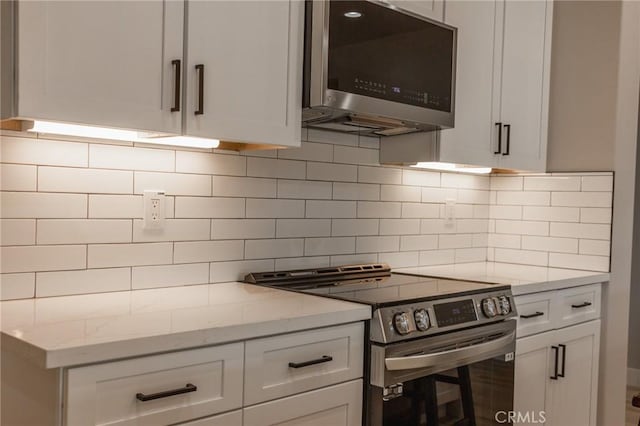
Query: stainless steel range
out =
(440, 351)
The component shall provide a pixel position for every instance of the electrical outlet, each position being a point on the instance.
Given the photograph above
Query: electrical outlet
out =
(450, 210)
(154, 209)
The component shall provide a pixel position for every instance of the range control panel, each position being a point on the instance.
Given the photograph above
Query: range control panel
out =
(408, 321)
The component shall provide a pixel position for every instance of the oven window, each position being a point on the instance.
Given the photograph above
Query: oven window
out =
(468, 395)
(381, 53)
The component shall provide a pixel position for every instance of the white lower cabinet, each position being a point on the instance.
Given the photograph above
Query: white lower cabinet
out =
(339, 405)
(556, 371)
(233, 418)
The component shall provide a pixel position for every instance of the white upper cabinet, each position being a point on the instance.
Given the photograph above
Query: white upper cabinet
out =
(433, 9)
(244, 71)
(470, 141)
(106, 63)
(523, 78)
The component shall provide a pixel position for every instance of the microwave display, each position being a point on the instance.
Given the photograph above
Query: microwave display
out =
(378, 52)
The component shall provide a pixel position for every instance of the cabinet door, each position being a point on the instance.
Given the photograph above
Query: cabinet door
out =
(574, 396)
(470, 141)
(524, 103)
(339, 405)
(233, 418)
(433, 9)
(106, 63)
(244, 71)
(532, 372)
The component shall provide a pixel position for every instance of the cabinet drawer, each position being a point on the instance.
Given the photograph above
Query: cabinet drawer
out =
(208, 381)
(579, 304)
(339, 405)
(535, 313)
(284, 365)
(233, 418)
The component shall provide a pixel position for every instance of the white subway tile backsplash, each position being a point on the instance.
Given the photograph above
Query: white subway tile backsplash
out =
(505, 241)
(353, 259)
(43, 152)
(329, 246)
(527, 257)
(272, 168)
(269, 249)
(266, 208)
(290, 263)
(420, 178)
(205, 163)
(83, 231)
(18, 177)
(597, 183)
(208, 251)
(241, 229)
(418, 242)
(467, 255)
(386, 175)
(506, 183)
(480, 240)
(399, 226)
(369, 142)
(43, 258)
(332, 172)
(173, 230)
(595, 247)
(551, 214)
(377, 244)
(400, 260)
(383, 209)
(581, 230)
(437, 257)
(455, 241)
(420, 210)
(464, 181)
(288, 228)
(316, 135)
(113, 255)
(552, 183)
(64, 179)
(308, 151)
(355, 191)
(522, 227)
(472, 226)
(83, 281)
(206, 207)
(352, 227)
(120, 206)
(505, 212)
(236, 270)
(579, 261)
(551, 244)
(304, 189)
(523, 198)
(330, 209)
(42, 205)
(18, 232)
(437, 226)
(227, 186)
(173, 183)
(439, 195)
(581, 199)
(352, 155)
(102, 156)
(595, 215)
(17, 286)
(169, 275)
(400, 193)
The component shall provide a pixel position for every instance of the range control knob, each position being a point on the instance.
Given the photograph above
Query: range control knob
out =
(401, 323)
(489, 308)
(504, 305)
(422, 319)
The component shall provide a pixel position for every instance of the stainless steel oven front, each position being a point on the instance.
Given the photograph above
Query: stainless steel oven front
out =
(463, 377)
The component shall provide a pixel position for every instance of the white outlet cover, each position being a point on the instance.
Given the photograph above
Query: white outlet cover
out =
(154, 209)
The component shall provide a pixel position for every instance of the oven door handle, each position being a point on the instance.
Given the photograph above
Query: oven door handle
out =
(445, 357)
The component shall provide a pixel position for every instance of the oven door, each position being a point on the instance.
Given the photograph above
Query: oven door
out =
(459, 378)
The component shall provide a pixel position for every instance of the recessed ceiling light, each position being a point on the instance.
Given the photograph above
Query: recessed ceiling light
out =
(353, 14)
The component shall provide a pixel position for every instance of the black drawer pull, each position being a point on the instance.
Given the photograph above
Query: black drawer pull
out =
(186, 389)
(564, 359)
(537, 314)
(555, 368)
(581, 305)
(176, 86)
(499, 151)
(200, 71)
(325, 358)
(508, 129)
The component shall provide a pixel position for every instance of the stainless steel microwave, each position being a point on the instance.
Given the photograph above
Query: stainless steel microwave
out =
(371, 67)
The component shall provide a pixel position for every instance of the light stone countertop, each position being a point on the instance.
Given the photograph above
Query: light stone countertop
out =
(522, 278)
(73, 330)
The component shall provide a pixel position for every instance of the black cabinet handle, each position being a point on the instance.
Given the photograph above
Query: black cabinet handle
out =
(176, 86)
(508, 129)
(555, 368)
(499, 151)
(581, 305)
(200, 71)
(186, 389)
(325, 358)
(564, 359)
(537, 314)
